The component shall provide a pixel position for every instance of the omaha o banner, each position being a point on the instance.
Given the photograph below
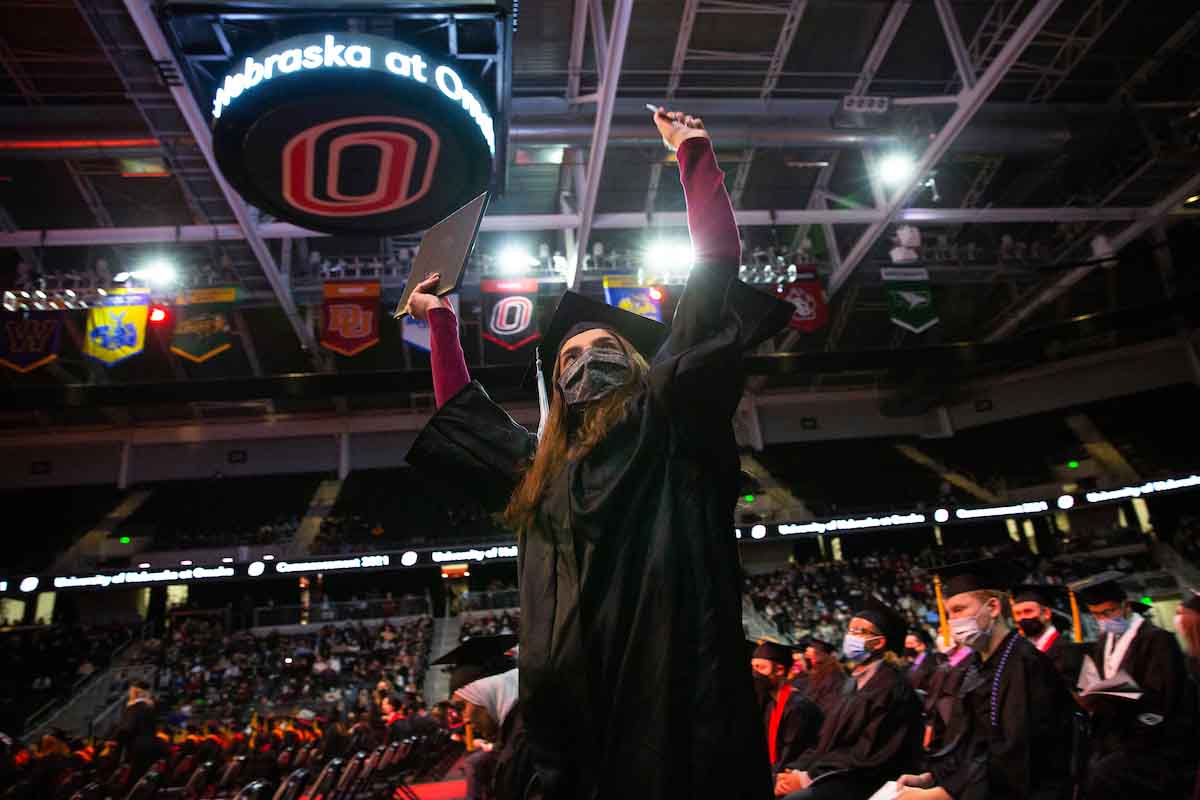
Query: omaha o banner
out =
(349, 133)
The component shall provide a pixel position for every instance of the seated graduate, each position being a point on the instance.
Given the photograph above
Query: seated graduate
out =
(1149, 745)
(875, 728)
(792, 721)
(923, 658)
(1033, 611)
(633, 678)
(825, 675)
(1008, 735)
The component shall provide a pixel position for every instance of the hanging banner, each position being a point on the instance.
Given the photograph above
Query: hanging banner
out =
(910, 298)
(416, 332)
(625, 292)
(510, 312)
(350, 316)
(116, 327)
(202, 327)
(808, 297)
(29, 339)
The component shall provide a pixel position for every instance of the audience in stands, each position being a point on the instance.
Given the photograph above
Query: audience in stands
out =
(490, 624)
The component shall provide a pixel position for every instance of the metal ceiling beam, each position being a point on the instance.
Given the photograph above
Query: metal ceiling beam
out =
(1092, 25)
(513, 223)
(958, 48)
(147, 25)
(950, 476)
(1161, 56)
(606, 95)
(970, 101)
(1101, 449)
(1130, 233)
(575, 59)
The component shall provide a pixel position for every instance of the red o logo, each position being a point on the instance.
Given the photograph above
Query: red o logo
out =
(511, 315)
(399, 180)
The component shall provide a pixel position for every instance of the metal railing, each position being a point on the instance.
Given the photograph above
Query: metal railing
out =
(488, 601)
(41, 719)
(320, 613)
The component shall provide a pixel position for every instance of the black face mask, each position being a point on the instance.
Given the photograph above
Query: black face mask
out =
(1031, 627)
(911, 652)
(596, 373)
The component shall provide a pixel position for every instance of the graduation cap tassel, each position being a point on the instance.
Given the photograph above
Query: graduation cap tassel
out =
(543, 401)
(943, 623)
(1076, 626)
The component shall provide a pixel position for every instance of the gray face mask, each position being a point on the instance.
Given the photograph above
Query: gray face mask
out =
(596, 373)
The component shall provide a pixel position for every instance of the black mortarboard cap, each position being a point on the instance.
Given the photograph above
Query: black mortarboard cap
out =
(576, 313)
(773, 651)
(1104, 587)
(478, 657)
(889, 621)
(986, 574)
(813, 641)
(1041, 593)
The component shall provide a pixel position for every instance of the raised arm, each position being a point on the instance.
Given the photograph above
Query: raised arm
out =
(711, 222)
(449, 365)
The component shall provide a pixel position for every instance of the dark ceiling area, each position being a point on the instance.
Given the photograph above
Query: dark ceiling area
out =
(1089, 128)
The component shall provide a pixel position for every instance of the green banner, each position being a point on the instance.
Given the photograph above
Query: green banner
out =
(203, 326)
(910, 298)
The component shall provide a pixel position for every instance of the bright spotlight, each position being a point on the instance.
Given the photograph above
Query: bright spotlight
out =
(1193, 199)
(669, 255)
(895, 169)
(1066, 501)
(158, 272)
(515, 261)
(941, 515)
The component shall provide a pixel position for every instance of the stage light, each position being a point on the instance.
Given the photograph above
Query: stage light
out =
(124, 540)
(895, 169)
(656, 294)
(941, 515)
(1072, 464)
(515, 261)
(158, 315)
(1066, 501)
(158, 272)
(1193, 199)
(668, 255)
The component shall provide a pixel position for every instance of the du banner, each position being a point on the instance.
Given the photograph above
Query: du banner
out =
(350, 316)
(416, 332)
(806, 294)
(202, 328)
(116, 327)
(510, 312)
(910, 298)
(29, 339)
(624, 292)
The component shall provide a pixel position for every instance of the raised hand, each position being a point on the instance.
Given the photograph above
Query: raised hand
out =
(423, 298)
(676, 127)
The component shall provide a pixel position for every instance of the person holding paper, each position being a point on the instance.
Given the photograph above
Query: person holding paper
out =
(633, 678)
(1144, 744)
(1007, 737)
(792, 720)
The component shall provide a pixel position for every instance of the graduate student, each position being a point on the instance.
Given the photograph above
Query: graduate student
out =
(1007, 737)
(1032, 610)
(633, 678)
(1146, 746)
(923, 658)
(874, 731)
(792, 721)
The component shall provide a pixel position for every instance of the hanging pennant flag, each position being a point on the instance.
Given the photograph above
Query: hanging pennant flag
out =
(806, 294)
(510, 312)
(116, 326)
(910, 298)
(350, 316)
(203, 328)
(29, 339)
(416, 332)
(627, 293)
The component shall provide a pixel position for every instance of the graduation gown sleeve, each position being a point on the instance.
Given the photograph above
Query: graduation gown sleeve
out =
(697, 374)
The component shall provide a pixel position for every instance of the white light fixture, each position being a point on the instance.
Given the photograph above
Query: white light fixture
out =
(515, 260)
(941, 515)
(1066, 501)
(758, 532)
(1193, 199)
(408, 559)
(895, 169)
(226, 560)
(268, 557)
(144, 565)
(29, 584)
(256, 569)
(122, 277)
(669, 255)
(158, 272)
(185, 563)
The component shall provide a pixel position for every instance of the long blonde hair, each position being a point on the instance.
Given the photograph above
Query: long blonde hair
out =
(554, 450)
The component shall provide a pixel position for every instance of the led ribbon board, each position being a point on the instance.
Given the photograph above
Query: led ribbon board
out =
(348, 133)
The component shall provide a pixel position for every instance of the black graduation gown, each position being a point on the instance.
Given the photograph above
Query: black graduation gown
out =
(1150, 745)
(921, 676)
(798, 728)
(872, 736)
(1027, 754)
(1067, 657)
(632, 658)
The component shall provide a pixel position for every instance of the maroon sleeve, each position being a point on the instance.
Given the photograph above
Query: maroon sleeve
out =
(446, 356)
(710, 215)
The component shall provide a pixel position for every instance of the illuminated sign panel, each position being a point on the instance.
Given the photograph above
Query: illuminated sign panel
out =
(348, 133)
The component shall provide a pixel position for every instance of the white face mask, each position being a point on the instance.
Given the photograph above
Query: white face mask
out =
(968, 632)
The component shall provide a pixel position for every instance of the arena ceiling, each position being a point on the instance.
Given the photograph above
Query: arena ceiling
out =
(1038, 124)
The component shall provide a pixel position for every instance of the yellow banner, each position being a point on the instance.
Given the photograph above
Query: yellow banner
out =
(216, 294)
(117, 329)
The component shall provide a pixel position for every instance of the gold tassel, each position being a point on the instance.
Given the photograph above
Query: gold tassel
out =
(1076, 625)
(943, 623)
